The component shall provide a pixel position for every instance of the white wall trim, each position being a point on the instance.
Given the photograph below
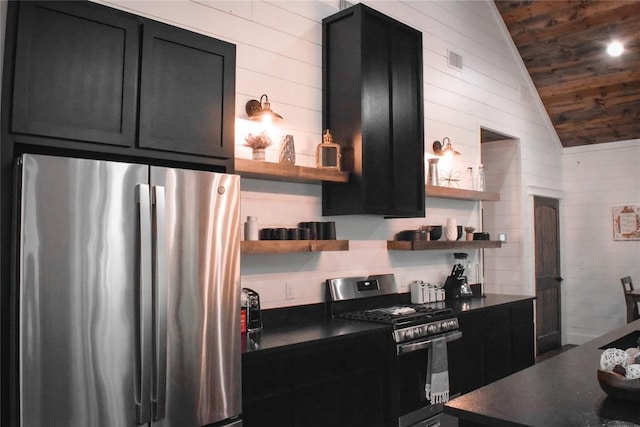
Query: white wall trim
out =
(544, 192)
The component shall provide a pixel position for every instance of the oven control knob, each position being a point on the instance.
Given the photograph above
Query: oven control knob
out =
(408, 334)
(448, 324)
(432, 329)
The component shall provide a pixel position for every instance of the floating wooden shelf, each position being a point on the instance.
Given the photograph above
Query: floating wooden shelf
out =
(421, 245)
(459, 194)
(288, 246)
(279, 172)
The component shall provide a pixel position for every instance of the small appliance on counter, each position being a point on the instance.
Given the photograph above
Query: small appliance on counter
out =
(253, 312)
(456, 285)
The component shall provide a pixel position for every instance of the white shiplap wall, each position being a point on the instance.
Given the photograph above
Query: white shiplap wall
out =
(279, 53)
(596, 179)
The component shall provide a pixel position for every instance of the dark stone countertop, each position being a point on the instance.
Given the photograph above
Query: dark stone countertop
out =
(297, 326)
(562, 391)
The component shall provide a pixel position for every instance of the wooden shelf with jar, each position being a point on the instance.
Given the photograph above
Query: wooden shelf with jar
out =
(290, 246)
(291, 173)
(460, 194)
(421, 245)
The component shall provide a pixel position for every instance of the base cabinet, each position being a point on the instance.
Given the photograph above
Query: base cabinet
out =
(341, 383)
(496, 342)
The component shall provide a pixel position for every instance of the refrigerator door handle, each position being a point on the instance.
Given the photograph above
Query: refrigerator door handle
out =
(160, 267)
(143, 359)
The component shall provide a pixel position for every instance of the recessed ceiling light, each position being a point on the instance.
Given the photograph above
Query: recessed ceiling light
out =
(615, 48)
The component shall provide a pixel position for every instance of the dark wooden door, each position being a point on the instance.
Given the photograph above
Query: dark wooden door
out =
(548, 279)
(187, 102)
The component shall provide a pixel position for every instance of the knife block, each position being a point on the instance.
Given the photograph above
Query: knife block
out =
(452, 287)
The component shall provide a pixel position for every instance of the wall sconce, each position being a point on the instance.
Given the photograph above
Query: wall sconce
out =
(448, 149)
(261, 110)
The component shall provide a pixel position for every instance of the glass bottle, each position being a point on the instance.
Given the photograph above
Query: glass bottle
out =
(469, 179)
(481, 181)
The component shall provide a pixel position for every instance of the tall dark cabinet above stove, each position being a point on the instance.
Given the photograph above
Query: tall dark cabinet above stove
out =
(373, 105)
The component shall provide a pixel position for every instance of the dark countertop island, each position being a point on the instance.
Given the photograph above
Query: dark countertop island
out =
(562, 391)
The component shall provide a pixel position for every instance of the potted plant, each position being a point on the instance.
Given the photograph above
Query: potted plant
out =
(258, 143)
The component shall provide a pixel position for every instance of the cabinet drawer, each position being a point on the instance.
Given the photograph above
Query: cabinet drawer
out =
(316, 364)
(498, 318)
(266, 375)
(522, 313)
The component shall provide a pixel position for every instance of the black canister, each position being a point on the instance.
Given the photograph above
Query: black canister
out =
(293, 234)
(317, 230)
(280, 234)
(308, 226)
(329, 230)
(305, 233)
(267, 233)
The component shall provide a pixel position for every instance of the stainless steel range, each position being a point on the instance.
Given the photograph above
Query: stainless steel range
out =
(415, 329)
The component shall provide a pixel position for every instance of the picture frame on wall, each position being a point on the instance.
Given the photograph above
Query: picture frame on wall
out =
(626, 222)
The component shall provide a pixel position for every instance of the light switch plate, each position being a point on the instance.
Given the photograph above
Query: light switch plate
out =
(502, 237)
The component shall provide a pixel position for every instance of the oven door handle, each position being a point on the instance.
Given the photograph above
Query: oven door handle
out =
(420, 345)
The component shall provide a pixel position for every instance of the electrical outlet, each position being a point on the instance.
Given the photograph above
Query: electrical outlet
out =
(288, 289)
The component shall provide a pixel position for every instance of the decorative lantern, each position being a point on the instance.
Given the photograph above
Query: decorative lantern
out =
(328, 153)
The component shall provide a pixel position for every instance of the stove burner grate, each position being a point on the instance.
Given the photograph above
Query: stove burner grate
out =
(396, 314)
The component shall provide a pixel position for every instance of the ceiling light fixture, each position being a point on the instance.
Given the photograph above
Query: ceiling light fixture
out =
(261, 110)
(615, 48)
(448, 149)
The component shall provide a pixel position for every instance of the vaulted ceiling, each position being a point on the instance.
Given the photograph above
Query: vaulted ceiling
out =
(590, 97)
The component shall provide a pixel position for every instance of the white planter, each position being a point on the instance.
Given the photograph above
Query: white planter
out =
(258, 154)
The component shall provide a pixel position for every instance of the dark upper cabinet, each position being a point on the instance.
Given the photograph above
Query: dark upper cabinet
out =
(187, 92)
(76, 71)
(373, 105)
(96, 79)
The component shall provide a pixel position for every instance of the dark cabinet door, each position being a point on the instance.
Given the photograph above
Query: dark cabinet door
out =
(187, 98)
(473, 328)
(373, 105)
(496, 342)
(76, 71)
(340, 383)
(522, 333)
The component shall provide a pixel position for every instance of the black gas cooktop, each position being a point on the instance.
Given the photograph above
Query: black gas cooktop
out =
(397, 314)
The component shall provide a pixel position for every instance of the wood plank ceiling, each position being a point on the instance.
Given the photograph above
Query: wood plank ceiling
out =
(590, 96)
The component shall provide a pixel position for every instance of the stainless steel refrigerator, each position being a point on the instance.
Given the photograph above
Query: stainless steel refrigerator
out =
(128, 295)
